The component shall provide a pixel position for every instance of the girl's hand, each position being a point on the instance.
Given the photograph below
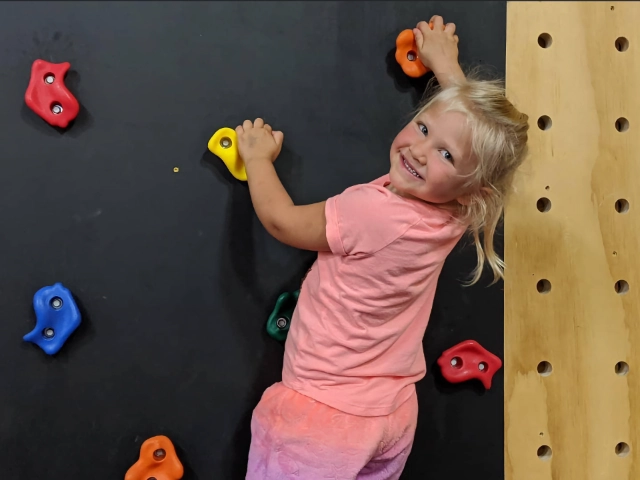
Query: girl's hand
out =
(437, 48)
(257, 141)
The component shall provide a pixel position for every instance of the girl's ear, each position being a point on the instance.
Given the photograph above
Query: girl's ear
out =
(464, 200)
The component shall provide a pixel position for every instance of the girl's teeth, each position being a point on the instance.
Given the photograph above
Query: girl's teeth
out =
(413, 172)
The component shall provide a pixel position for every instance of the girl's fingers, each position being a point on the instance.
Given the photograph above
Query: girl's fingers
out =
(438, 22)
(278, 137)
(418, 36)
(423, 26)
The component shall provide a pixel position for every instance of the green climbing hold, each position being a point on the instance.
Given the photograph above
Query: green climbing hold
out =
(280, 319)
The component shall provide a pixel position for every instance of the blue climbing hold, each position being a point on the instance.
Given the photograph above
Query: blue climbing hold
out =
(57, 316)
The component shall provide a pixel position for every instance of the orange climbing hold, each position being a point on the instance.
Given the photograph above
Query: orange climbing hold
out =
(407, 54)
(158, 460)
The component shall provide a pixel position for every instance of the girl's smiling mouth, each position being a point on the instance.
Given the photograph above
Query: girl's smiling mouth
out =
(409, 168)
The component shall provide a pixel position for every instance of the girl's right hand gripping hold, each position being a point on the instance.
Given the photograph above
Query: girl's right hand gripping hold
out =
(438, 49)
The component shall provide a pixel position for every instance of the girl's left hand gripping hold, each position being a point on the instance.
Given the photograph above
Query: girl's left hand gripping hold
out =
(299, 226)
(258, 141)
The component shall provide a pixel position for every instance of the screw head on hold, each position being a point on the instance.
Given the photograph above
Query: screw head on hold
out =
(411, 56)
(49, 79)
(49, 332)
(482, 366)
(56, 303)
(56, 109)
(456, 362)
(225, 142)
(159, 454)
(282, 322)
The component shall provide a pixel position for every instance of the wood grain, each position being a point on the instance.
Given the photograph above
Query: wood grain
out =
(582, 246)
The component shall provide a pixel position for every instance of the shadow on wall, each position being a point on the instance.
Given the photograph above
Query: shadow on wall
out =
(255, 274)
(403, 83)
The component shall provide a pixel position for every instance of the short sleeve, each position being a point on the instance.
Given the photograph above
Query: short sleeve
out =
(366, 218)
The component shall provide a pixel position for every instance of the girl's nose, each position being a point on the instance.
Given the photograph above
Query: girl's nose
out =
(418, 153)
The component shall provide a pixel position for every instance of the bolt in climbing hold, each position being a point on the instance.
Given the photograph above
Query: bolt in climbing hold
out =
(57, 317)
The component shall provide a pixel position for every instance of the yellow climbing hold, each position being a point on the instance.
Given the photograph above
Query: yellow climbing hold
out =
(223, 145)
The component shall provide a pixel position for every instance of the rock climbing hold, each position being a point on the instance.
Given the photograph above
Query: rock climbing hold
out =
(280, 319)
(223, 144)
(407, 54)
(468, 360)
(48, 96)
(57, 316)
(158, 459)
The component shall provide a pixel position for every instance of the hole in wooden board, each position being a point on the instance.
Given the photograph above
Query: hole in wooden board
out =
(545, 369)
(545, 40)
(622, 44)
(622, 368)
(544, 122)
(544, 286)
(622, 205)
(621, 287)
(622, 124)
(543, 204)
(622, 449)
(545, 453)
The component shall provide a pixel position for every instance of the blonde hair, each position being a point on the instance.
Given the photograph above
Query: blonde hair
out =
(499, 143)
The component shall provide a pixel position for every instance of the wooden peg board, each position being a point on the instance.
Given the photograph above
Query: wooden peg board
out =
(576, 416)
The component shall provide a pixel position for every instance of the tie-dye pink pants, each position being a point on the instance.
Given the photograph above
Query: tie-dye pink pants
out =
(295, 437)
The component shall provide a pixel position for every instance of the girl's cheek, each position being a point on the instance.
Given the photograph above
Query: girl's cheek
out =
(405, 136)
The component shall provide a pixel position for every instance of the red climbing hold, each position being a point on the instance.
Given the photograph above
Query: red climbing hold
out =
(48, 96)
(469, 360)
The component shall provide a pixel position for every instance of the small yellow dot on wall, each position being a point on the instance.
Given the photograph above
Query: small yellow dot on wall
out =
(176, 169)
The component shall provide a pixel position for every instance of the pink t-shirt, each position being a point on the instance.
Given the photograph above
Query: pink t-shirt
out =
(355, 341)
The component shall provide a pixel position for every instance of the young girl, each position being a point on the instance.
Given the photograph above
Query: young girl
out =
(346, 407)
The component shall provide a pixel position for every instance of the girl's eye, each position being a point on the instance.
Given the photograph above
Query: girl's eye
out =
(447, 155)
(423, 129)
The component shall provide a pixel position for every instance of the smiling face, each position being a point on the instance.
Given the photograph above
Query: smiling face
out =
(431, 158)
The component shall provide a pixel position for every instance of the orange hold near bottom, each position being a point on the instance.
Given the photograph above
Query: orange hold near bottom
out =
(158, 460)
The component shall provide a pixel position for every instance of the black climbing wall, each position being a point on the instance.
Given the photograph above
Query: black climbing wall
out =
(173, 272)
